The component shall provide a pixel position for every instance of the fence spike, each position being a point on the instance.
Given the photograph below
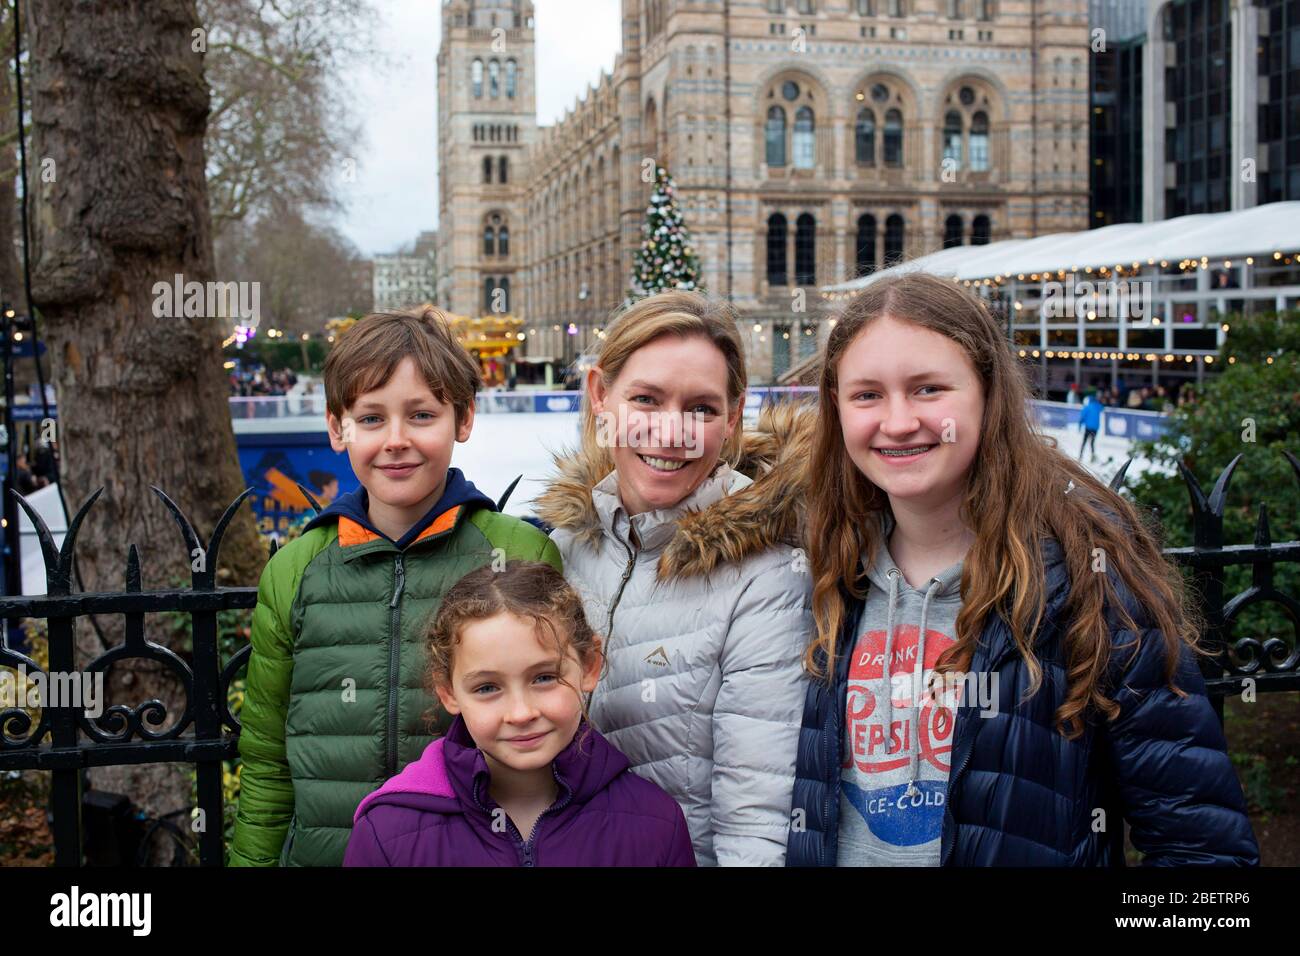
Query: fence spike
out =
(1193, 490)
(48, 551)
(70, 538)
(132, 568)
(214, 542)
(1263, 537)
(187, 529)
(1116, 483)
(1219, 496)
(1295, 464)
(315, 505)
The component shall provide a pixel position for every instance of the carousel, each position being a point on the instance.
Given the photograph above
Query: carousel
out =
(492, 340)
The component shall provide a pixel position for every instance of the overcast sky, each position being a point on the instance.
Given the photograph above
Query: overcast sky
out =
(396, 102)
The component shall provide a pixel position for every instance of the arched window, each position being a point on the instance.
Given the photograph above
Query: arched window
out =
(866, 245)
(864, 138)
(979, 142)
(980, 230)
(503, 169)
(893, 138)
(505, 294)
(952, 232)
(984, 9)
(777, 270)
(503, 241)
(952, 139)
(494, 79)
(896, 8)
(805, 250)
(476, 78)
(954, 9)
(805, 139)
(488, 286)
(489, 241)
(776, 136)
(893, 240)
(650, 129)
(487, 169)
(512, 78)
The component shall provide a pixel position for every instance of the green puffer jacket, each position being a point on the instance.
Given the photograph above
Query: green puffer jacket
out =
(335, 701)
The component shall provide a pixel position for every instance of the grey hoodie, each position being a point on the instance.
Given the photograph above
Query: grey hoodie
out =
(896, 747)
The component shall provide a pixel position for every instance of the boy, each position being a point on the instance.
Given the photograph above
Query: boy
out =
(334, 704)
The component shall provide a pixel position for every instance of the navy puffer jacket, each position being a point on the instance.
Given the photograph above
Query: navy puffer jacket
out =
(1019, 793)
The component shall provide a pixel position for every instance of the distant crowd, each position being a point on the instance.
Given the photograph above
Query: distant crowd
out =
(1144, 398)
(256, 380)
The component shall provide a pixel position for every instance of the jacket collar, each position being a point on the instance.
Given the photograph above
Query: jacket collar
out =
(731, 516)
(654, 529)
(358, 536)
(585, 767)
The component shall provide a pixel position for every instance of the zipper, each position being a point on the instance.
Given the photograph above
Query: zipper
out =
(524, 847)
(947, 803)
(287, 850)
(613, 604)
(832, 747)
(618, 595)
(394, 658)
(956, 775)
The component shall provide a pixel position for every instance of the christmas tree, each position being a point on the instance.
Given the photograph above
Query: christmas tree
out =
(666, 259)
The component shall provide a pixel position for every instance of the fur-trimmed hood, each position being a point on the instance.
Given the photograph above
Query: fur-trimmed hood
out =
(744, 515)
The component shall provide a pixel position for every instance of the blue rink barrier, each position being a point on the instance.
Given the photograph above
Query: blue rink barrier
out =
(1117, 422)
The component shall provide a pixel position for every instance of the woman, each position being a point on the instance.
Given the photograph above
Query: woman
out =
(947, 538)
(686, 567)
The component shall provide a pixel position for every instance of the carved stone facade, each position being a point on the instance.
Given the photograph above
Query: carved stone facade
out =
(810, 140)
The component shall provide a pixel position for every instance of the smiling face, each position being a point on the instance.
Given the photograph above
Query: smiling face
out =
(399, 439)
(506, 683)
(668, 415)
(911, 405)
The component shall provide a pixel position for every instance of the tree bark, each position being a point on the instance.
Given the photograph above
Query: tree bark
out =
(11, 284)
(119, 103)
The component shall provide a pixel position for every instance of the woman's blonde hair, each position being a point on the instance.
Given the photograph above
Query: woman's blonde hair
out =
(1016, 496)
(674, 312)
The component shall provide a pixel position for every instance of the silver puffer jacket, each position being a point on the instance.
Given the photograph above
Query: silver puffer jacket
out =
(706, 612)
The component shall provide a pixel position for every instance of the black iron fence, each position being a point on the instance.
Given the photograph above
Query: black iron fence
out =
(64, 740)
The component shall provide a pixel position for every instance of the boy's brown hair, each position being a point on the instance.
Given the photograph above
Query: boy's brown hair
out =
(366, 355)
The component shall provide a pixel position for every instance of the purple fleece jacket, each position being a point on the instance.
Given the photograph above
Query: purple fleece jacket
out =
(437, 812)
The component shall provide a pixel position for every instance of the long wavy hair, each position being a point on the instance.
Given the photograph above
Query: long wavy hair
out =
(1015, 497)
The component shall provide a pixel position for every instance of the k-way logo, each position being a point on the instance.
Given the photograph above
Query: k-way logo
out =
(658, 657)
(103, 909)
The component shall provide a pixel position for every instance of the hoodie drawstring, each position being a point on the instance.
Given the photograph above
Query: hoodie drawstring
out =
(893, 575)
(918, 677)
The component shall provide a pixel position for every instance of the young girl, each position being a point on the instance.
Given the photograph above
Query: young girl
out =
(520, 779)
(947, 538)
(689, 567)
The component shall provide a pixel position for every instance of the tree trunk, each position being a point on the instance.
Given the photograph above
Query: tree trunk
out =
(119, 103)
(11, 284)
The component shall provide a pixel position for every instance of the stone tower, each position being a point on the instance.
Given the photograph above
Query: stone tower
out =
(487, 117)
